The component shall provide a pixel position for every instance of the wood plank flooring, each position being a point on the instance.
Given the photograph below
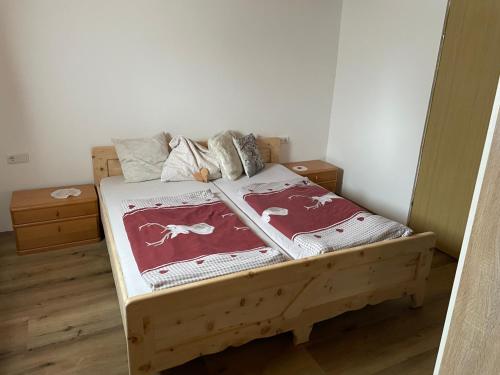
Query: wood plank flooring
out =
(59, 315)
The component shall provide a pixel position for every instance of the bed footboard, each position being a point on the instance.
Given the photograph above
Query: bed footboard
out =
(173, 326)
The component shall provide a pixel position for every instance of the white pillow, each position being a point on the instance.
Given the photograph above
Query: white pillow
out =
(221, 145)
(186, 158)
(142, 158)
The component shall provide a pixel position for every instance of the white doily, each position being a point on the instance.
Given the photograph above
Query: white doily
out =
(65, 193)
(300, 168)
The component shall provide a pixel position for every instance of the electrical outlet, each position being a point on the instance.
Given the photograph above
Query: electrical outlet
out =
(18, 158)
(285, 140)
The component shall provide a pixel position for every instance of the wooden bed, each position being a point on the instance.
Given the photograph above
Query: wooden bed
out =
(172, 326)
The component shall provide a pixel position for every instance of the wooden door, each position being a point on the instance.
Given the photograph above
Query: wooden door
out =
(470, 343)
(458, 118)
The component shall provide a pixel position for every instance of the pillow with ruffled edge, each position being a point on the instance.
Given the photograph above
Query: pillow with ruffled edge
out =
(222, 147)
(249, 154)
(142, 159)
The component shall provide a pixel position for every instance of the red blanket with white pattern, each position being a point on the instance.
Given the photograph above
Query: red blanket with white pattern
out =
(180, 239)
(316, 219)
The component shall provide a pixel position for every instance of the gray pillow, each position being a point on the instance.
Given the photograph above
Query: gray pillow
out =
(249, 154)
(142, 158)
(222, 147)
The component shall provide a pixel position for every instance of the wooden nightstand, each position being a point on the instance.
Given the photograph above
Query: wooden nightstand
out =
(45, 223)
(318, 171)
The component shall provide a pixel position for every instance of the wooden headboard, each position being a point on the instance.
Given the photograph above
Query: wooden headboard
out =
(105, 161)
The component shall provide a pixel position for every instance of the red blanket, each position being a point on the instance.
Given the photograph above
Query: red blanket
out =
(316, 219)
(191, 237)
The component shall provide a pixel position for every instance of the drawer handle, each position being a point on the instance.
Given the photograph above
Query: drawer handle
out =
(57, 213)
(59, 228)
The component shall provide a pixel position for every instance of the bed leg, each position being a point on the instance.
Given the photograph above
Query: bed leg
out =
(417, 299)
(301, 334)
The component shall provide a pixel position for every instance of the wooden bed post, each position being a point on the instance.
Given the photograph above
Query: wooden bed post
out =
(301, 334)
(423, 269)
(417, 299)
(140, 341)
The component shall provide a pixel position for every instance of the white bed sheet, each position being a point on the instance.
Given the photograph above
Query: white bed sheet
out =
(114, 190)
(272, 173)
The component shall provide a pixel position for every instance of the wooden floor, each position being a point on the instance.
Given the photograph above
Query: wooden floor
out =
(59, 315)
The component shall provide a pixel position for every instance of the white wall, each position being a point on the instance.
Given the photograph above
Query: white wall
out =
(74, 73)
(385, 67)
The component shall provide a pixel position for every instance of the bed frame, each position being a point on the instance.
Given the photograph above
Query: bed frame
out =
(172, 326)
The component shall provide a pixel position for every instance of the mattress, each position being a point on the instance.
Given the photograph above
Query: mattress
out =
(115, 190)
(272, 173)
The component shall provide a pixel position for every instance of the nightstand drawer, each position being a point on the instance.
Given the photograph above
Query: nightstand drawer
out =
(68, 231)
(36, 215)
(323, 176)
(329, 185)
